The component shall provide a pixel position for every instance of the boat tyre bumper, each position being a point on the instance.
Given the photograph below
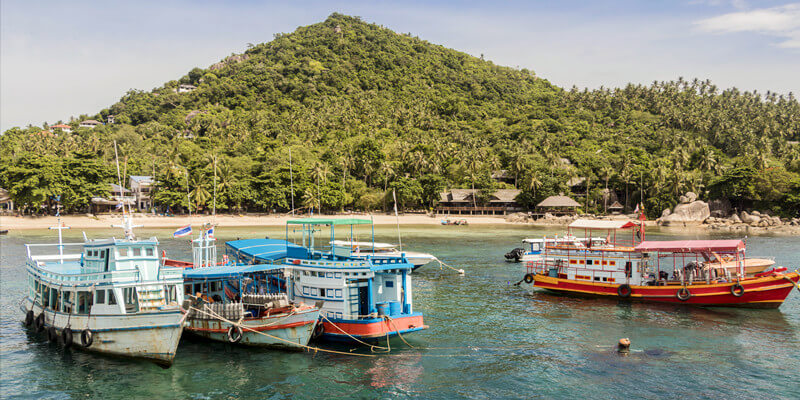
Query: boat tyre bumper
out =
(87, 337)
(737, 290)
(528, 278)
(683, 294)
(38, 323)
(624, 290)
(234, 334)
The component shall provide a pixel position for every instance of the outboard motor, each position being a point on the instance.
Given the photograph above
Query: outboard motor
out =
(515, 255)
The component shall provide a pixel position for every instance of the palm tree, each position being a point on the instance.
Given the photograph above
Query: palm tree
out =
(320, 173)
(606, 172)
(199, 192)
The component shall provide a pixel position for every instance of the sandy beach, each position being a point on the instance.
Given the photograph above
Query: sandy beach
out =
(152, 221)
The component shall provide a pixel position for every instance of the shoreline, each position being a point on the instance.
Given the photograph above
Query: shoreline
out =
(83, 221)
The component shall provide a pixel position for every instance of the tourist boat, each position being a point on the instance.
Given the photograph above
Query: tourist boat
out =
(113, 296)
(379, 250)
(454, 222)
(640, 270)
(243, 303)
(534, 249)
(365, 298)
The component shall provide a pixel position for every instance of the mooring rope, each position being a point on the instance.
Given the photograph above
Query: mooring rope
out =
(442, 263)
(371, 346)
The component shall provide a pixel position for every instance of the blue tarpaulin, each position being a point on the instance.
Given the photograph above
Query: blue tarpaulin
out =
(263, 250)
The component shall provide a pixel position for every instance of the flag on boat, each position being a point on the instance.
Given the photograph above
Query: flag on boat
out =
(636, 211)
(183, 231)
(210, 232)
(642, 216)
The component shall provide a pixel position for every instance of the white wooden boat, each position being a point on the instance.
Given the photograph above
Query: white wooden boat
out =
(111, 296)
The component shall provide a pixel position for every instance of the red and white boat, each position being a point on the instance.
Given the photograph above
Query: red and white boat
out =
(677, 271)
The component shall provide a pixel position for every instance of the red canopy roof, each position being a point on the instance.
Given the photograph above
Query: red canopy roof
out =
(690, 246)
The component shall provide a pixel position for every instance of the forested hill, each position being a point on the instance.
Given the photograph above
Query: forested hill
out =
(364, 109)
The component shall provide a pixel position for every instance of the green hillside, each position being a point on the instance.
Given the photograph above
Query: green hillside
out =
(364, 109)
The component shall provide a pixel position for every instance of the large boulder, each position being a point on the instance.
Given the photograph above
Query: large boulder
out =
(735, 219)
(691, 197)
(688, 214)
(720, 207)
(666, 212)
(749, 219)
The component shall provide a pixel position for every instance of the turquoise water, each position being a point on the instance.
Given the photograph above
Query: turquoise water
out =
(487, 339)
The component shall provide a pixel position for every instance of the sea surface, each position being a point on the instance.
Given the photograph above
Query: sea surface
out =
(488, 339)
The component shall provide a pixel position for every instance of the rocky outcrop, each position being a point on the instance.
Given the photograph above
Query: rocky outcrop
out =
(691, 213)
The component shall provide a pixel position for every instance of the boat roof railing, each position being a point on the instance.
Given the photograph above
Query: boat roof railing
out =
(691, 246)
(602, 224)
(376, 245)
(329, 221)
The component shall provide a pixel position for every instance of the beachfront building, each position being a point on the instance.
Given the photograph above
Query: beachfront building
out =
(117, 197)
(61, 127)
(90, 123)
(615, 208)
(141, 188)
(558, 205)
(471, 201)
(6, 204)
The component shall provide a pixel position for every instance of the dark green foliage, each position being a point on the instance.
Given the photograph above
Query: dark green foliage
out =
(367, 110)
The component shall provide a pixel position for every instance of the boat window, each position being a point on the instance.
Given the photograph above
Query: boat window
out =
(111, 298)
(389, 283)
(187, 289)
(321, 274)
(122, 251)
(588, 262)
(322, 292)
(100, 297)
(305, 290)
(84, 300)
(313, 291)
(149, 251)
(137, 252)
(329, 275)
(338, 292)
(338, 275)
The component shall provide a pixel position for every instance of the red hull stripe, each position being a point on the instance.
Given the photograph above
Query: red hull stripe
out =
(375, 329)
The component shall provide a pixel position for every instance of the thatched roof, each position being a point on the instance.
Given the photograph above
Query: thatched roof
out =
(504, 195)
(615, 206)
(558, 201)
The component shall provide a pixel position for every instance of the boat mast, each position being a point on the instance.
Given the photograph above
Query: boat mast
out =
(397, 217)
(291, 178)
(59, 227)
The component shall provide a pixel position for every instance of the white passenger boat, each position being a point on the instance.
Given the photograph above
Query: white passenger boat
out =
(113, 296)
(534, 249)
(384, 251)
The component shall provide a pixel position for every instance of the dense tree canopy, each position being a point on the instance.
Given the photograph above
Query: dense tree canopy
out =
(364, 111)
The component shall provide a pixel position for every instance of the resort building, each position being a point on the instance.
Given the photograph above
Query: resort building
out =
(558, 205)
(615, 208)
(61, 127)
(116, 198)
(6, 204)
(141, 188)
(90, 123)
(471, 201)
(185, 88)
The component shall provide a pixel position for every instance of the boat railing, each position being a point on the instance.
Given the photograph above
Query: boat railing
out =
(28, 247)
(562, 268)
(389, 260)
(328, 263)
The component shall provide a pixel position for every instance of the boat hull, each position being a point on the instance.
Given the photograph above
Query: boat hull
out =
(152, 336)
(291, 331)
(371, 329)
(766, 292)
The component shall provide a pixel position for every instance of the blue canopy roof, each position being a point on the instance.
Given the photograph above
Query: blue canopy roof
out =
(265, 250)
(226, 271)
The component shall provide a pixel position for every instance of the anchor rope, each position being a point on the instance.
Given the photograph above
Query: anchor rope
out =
(442, 263)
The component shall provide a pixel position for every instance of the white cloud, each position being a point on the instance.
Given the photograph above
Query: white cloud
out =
(782, 22)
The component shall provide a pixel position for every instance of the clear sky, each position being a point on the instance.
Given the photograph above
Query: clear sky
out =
(60, 59)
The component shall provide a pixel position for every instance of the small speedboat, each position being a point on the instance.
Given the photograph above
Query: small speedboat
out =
(383, 251)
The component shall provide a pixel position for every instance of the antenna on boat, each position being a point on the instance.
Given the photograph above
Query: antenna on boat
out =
(214, 213)
(127, 220)
(291, 178)
(60, 227)
(399, 239)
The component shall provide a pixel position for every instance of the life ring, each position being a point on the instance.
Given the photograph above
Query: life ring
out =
(624, 290)
(683, 294)
(528, 278)
(52, 334)
(737, 290)
(66, 337)
(234, 334)
(87, 337)
(29, 318)
(39, 322)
